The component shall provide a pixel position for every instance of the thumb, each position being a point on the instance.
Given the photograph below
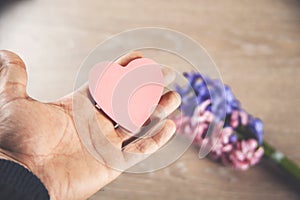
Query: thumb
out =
(13, 76)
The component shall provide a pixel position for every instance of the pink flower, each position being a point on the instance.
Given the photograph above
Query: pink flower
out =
(240, 154)
(220, 143)
(196, 125)
(236, 116)
(246, 154)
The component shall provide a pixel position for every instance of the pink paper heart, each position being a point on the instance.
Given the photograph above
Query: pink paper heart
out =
(128, 95)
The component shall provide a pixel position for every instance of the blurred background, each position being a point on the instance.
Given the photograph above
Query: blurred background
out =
(255, 44)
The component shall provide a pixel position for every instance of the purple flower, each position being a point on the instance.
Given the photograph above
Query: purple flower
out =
(197, 125)
(256, 127)
(200, 89)
(220, 143)
(245, 154)
(203, 101)
(233, 138)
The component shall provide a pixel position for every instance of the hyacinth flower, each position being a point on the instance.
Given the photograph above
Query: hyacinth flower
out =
(240, 142)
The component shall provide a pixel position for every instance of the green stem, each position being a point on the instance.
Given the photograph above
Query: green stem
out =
(282, 161)
(276, 156)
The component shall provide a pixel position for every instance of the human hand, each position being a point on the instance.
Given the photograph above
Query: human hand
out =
(43, 137)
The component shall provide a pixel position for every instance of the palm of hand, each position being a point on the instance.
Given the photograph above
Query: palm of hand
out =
(43, 136)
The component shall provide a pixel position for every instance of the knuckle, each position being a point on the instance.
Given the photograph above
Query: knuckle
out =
(141, 147)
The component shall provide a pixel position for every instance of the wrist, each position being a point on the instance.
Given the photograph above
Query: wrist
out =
(6, 156)
(18, 182)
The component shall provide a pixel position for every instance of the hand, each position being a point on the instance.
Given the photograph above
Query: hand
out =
(43, 138)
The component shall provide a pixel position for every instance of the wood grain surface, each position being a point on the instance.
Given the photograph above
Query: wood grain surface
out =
(255, 44)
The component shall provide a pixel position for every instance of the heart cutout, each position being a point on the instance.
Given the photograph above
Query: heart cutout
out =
(128, 95)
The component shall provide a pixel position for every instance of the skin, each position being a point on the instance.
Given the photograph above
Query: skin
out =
(43, 137)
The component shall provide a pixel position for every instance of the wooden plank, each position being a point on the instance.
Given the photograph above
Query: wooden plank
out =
(256, 45)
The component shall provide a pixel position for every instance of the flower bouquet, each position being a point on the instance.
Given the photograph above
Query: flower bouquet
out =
(239, 142)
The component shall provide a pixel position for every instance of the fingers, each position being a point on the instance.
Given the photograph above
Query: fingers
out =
(84, 103)
(141, 149)
(127, 58)
(13, 76)
(167, 104)
(169, 75)
(152, 144)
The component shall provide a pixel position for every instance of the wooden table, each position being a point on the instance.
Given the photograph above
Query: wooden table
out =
(256, 45)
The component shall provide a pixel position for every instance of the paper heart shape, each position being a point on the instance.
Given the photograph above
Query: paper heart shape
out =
(128, 95)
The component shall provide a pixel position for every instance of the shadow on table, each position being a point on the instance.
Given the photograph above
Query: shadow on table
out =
(5, 4)
(282, 176)
(274, 172)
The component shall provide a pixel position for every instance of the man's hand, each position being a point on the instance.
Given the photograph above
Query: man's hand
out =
(43, 138)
